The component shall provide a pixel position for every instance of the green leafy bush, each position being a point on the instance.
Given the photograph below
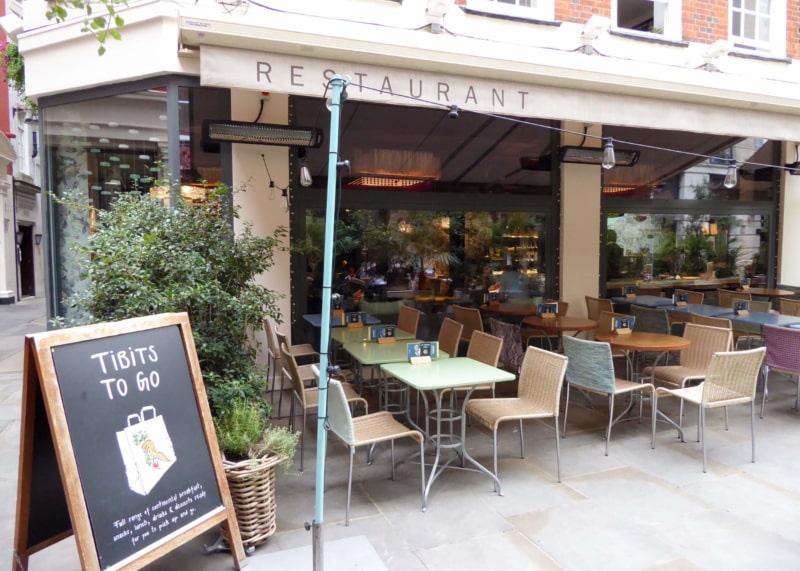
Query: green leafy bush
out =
(144, 258)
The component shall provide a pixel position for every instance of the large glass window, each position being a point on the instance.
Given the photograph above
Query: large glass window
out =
(102, 146)
(434, 258)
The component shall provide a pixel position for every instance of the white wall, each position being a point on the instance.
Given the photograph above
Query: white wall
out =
(788, 228)
(580, 226)
(257, 207)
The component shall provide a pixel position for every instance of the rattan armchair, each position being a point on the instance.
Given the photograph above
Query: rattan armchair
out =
(274, 349)
(308, 398)
(783, 354)
(694, 360)
(449, 336)
(512, 353)
(596, 305)
(789, 306)
(367, 430)
(731, 379)
(591, 368)
(718, 322)
(692, 296)
(471, 318)
(540, 381)
(726, 297)
(408, 319)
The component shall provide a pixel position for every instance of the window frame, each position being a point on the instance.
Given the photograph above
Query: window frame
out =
(776, 45)
(673, 24)
(544, 9)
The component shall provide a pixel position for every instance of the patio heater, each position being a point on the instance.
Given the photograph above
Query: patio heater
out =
(337, 86)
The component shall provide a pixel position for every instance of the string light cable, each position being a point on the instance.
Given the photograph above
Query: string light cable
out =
(603, 139)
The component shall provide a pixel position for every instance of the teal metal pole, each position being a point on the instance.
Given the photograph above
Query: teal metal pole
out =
(337, 86)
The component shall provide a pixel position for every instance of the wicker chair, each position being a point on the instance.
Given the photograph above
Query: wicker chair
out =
(591, 369)
(731, 379)
(303, 351)
(449, 336)
(789, 306)
(471, 318)
(308, 398)
(783, 354)
(485, 348)
(367, 430)
(694, 360)
(692, 296)
(274, 351)
(408, 319)
(726, 297)
(540, 381)
(649, 320)
(512, 353)
(595, 305)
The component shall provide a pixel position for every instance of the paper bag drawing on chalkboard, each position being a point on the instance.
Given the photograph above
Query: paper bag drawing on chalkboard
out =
(146, 450)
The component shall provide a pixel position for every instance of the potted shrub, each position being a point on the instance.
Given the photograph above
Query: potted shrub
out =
(253, 449)
(141, 257)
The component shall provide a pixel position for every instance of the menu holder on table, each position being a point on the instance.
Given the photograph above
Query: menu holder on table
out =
(680, 299)
(382, 333)
(741, 307)
(744, 284)
(355, 319)
(623, 325)
(547, 310)
(492, 299)
(422, 352)
(629, 292)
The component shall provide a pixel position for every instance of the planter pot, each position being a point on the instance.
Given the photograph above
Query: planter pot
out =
(252, 487)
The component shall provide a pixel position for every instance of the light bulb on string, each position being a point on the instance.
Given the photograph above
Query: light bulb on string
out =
(730, 175)
(609, 160)
(305, 172)
(271, 187)
(285, 200)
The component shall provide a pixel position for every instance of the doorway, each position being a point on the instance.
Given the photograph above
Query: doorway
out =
(27, 278)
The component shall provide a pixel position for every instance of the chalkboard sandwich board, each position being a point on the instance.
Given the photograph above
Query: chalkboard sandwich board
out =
(117, 445)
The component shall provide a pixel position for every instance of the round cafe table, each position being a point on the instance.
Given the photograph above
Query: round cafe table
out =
(769, 292)
(510, 309)
(639, 342)
(556, 326)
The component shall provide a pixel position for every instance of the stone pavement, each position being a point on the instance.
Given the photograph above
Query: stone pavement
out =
(635, 509)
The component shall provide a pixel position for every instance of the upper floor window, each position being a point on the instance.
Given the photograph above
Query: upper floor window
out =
(533, 9)
(759, 24)
(650, 16)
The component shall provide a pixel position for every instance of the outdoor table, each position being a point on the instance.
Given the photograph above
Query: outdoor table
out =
(644, 300)
(769, 292)
(754, 321)
(639, 341)
(442, 374)
(682, 314)
(344, 335)
(315, 320)
(372, 354)
(510, 309)
(556, 326)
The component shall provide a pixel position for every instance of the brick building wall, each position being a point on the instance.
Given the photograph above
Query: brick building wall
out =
(581, 10)
(793, 29)
(705, 21)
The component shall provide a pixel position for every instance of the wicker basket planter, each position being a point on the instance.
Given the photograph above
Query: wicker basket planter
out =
(252, 487)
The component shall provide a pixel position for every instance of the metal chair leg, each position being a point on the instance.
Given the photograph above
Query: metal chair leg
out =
(349, 487)
(566, 410)
(521, 440)
(610, 419)
(558, 452)
(702, 430)
(753, 427)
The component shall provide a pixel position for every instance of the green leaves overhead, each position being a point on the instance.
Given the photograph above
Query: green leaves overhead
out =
(100, 26)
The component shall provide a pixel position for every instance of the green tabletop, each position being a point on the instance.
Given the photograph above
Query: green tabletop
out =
(345, 335)
(447, 373)
(370, 353)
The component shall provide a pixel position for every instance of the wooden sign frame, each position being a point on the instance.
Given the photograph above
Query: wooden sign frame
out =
(45, 442)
